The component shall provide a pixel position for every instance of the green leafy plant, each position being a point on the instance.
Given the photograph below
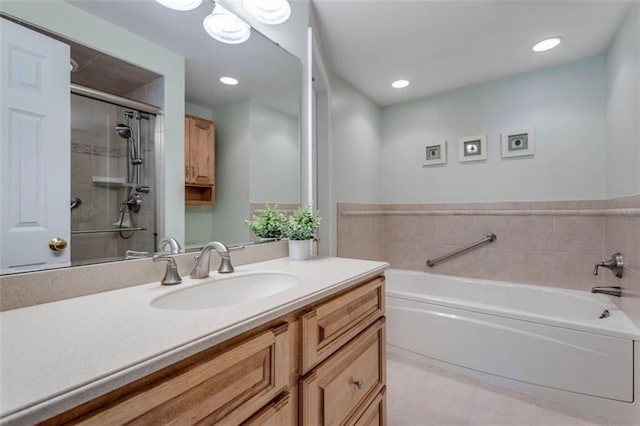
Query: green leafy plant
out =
(303, 224)
(271, 223)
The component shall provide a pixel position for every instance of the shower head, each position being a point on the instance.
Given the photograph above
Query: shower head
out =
(123, 130)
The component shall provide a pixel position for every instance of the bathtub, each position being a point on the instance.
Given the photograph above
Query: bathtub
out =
(556, 340)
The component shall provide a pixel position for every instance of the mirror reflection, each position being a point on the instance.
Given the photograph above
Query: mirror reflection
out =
(119, 148)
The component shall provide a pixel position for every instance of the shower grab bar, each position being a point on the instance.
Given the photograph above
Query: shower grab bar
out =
(488, 239)
(98, 231)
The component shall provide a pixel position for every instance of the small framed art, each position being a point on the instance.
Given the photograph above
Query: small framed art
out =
(435, 153)
(518, 143)
(472, 148)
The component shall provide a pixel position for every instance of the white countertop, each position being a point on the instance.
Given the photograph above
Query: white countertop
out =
(58, 355)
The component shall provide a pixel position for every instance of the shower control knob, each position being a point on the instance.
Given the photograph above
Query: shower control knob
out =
(57, 244)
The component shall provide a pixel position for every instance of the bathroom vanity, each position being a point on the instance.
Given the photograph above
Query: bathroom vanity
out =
(312, 354)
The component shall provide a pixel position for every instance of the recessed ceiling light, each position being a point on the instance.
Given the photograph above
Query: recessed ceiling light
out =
(399, 84)
(226, 27)
(180, 4)
(547, 44)
(229, 80)
(270, 12)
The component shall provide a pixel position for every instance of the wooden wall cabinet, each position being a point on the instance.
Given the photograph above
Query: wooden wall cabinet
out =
(199, 157)
(257, 378)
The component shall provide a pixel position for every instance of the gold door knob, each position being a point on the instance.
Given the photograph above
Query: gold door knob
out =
(57, 244)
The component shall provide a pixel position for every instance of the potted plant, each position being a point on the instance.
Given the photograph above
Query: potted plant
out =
(301, 229)
(269, 225)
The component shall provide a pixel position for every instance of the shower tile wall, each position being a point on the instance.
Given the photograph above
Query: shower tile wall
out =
(97, 150)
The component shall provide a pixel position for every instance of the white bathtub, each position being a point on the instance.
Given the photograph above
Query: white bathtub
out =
(541, 337)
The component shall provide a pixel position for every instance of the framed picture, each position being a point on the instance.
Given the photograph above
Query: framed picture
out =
(472, 148)
(435, 153)
(518, 143)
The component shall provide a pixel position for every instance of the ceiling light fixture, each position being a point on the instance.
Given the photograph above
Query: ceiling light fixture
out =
(230, 81)
(546, 44)
(400, 84)
(270, 12)
(180, 4)
(226, 27)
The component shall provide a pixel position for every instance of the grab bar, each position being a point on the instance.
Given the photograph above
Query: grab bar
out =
(488, 239)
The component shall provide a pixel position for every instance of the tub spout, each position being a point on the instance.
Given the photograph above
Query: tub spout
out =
(611, 291)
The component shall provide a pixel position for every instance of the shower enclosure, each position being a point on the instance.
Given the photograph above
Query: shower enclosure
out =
(113, 201)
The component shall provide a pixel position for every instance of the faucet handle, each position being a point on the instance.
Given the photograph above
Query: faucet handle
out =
(616, 264)
(236, 248)
(171, 275)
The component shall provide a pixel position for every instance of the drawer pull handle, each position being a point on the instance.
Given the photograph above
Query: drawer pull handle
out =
(359, 383)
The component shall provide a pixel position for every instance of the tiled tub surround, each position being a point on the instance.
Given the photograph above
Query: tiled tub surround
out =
(34, 288)
(544, 243)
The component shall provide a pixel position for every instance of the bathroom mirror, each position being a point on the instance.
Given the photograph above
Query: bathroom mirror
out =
(257, 124)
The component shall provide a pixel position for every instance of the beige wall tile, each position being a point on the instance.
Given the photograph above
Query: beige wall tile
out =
(615, 236)
(532, 267)
(481, 226)
(489, 263)
(576, 234)
(572, 270)
(532, 233)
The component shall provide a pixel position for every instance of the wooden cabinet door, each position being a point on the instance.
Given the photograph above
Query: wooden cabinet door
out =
(332, 324)
(375, 414)
(340, 387)
(226, 388)
(201, 157)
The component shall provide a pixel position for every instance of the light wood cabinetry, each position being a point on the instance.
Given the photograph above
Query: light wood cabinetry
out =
(330, 325)
(349, 380)
(257, 378)
(199, 169)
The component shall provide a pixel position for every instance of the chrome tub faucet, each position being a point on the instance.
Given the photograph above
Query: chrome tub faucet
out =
(616, 264)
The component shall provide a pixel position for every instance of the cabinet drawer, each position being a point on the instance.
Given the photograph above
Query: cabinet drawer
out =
(342, 385)
(276, 413)
(226, 388)
(374, 414)
(333, 323)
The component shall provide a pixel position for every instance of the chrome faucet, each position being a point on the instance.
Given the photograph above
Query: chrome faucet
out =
(611, 291)
(171, 275)
(173, 244)
(201, 269)
(616, 264)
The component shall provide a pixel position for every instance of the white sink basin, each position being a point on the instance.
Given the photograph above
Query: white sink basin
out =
(228, 291)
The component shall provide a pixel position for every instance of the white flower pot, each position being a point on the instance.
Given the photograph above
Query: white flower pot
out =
(299, 249)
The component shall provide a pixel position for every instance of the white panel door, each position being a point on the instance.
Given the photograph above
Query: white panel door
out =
(34, 149)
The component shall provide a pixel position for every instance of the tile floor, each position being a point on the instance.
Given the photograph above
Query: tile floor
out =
(419, 395)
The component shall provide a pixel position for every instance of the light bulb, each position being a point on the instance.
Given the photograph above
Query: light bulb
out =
(270, 12)
(226, 27)
(180, 4)
(547, 44)
(400, 84)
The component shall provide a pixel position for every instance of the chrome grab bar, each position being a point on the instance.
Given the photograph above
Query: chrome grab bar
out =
(488, 239)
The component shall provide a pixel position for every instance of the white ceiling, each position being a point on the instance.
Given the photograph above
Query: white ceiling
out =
(266, 72)
(442, 45)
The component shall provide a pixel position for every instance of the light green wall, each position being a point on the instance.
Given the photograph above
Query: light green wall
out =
(224, 221)
(75, 24)
(623, 110)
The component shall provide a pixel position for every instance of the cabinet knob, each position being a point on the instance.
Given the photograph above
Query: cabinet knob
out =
(359, 383)
(57, 244)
